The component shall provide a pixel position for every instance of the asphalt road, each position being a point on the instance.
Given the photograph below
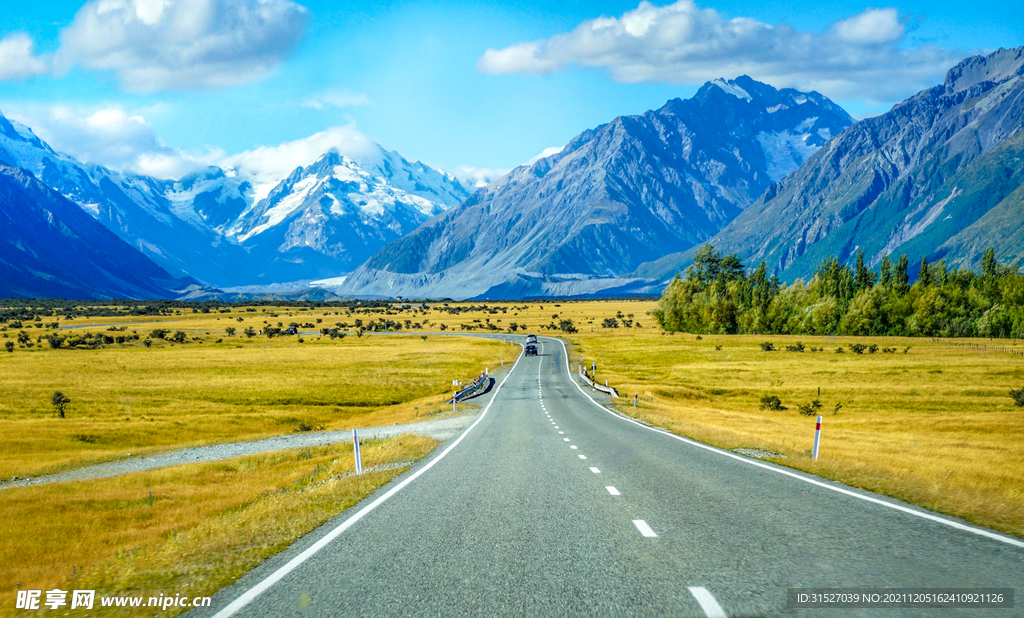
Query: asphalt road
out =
(549, 505)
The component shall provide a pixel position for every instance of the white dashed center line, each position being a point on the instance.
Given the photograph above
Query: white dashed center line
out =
(644, 529)
(707, 602)
(612, 490)
(583, 456)
(565, 439)
(595, 470)
(560, 432)
(573, 447)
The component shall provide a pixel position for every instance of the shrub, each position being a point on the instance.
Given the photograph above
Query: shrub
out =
(9, 345)
(1018, 396)
(810, 409)
(610, 323)
(771, 402)
(767, 346)
(872, 348)
(179, 336)
(147, 342)
(840, 350)
(55, 341)
(230, 330)
(857, 348)
(158, 333)
(718, 347)
(799, 347)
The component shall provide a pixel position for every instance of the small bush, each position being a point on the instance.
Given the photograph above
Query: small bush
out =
(799, 347)
(1018, 396)
(9, 345)
(857, 348)
(699, 337)
(872, 349)
(718, 347)
(158, 333)
(771, 402)
(840, 350)
(810, 409)
(767, 346)
(179, 336)
(147, 342)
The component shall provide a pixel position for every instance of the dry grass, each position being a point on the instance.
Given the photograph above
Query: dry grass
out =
(935, 426)
(132, 399)
(189, 529)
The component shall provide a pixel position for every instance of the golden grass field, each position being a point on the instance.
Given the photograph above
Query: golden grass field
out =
(934, 426)
(133, 399)
(190, 529)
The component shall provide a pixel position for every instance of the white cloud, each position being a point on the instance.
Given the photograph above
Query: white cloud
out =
(18, 59)
(544, 154)
(110, 137)
(270, 164)
(682, 43)
(336, 99)
(181, 44)
(476, 177)
(872, 27)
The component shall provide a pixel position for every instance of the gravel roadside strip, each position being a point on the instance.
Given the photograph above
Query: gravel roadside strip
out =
(439, 429)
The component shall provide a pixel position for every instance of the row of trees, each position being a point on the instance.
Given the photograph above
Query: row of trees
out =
(717, 294)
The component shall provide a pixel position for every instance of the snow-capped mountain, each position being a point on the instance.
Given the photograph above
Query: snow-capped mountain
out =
(221, 227)
(627, 192)
(938, 176)
(331, 216)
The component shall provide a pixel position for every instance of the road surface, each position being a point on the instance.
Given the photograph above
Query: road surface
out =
(549, 505)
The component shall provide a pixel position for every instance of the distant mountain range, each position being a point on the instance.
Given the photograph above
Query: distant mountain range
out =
(781, 176)
(575, 223)
(939, 176)
(222, 229)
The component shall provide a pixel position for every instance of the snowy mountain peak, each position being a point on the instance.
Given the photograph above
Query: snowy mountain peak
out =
(731, 87)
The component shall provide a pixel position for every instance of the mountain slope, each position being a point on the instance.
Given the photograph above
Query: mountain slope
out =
(49, 247)
(626, 192)
(208, 224)
(939, 176)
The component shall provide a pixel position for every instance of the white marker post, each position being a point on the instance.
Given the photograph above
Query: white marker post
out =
(455, 391)
(635, 397)
(817, 439)
(355, 451)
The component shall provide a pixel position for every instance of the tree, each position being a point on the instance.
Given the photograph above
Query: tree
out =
(60, 403)
(923, 275)
(230, 330)
(9, 345)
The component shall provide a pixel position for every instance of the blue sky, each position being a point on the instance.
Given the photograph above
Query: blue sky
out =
(163, 86)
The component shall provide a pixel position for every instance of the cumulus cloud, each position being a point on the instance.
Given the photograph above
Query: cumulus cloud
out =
(110, 137)
(155, 45)
(18, 59)
(682, 43)
(336, 99)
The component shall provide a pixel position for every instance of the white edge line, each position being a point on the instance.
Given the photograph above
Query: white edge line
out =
(707, 602)
(898, 507)
(292, 564)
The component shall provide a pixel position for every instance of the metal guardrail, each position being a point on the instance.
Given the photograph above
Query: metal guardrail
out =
(610, 390)
(472, 388)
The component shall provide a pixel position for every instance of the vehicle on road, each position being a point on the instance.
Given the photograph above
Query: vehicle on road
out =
(531, 339)
(531, 350)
